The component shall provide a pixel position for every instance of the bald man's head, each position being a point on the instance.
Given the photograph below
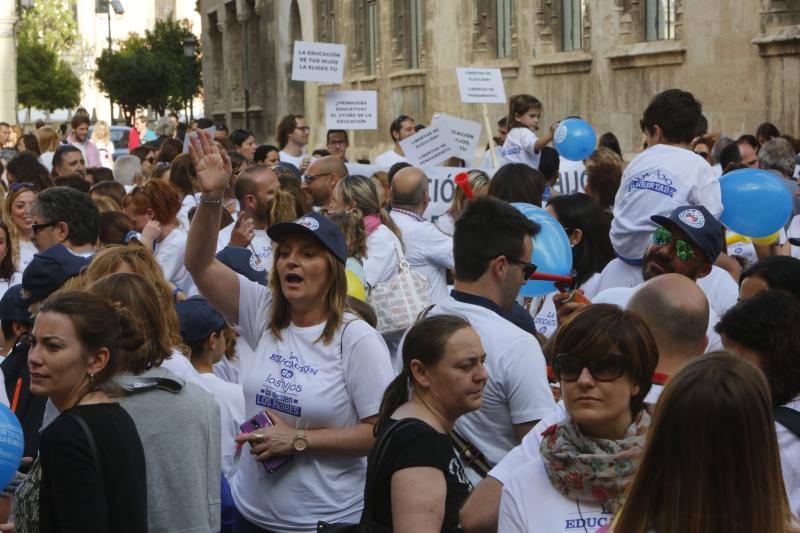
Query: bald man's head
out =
(676, 311)
(409, 188)
(328, 165)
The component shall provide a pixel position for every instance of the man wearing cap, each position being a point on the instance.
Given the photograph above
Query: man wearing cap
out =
(687, 243)
(15, 320)
(202, 330)
(319, 373)
(698, 224)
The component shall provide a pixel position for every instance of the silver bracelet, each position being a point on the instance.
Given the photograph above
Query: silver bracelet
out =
(207, 201)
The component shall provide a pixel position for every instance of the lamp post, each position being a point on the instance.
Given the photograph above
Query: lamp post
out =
(189, 49)
(104, 6)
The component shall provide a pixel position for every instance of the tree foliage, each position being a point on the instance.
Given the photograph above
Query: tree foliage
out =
(44, 80)
(151, 71)
(51, 23)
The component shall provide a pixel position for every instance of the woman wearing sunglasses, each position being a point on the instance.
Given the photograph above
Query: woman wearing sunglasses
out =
(604, 361)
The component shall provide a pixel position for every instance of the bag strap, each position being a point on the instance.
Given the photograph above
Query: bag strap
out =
(400, 255)
(470, 455)
(87, 431)
(788, 418)
(381, 447)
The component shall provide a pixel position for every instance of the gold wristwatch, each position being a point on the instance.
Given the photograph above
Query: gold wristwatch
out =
(300, 442)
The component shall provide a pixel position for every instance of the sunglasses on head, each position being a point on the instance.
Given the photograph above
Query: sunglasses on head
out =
(19, 185)
(684, 250)
(604, 368)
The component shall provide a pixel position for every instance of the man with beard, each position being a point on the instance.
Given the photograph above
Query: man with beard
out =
(320, 179)
(80, 139)
(255, 190)
(687, 243)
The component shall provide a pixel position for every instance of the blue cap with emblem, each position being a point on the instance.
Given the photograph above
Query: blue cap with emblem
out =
(317, 226)
(198, 319)
(243, 261)
(700, 226)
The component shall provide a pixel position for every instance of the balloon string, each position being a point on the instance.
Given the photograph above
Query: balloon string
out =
(462, 180)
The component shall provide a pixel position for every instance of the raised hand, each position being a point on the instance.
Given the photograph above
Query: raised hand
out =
(243, 231)
(212, 165)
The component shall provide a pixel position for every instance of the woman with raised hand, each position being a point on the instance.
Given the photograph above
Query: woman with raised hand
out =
(711, 462)
(604, 360)
(316, 372)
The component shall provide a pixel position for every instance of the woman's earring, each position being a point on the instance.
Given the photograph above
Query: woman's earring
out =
(91, 378)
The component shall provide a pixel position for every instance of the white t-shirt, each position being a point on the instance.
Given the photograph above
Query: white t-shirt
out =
(310, 385)
(531, 504)
(517, 390)
(229, 370)
(261, 246)
(47, 160)
(744, 248)
(794, 232)
(571, 176)
(169, 254)
(26, 252)
(518, 148)
(620, 296)
(179, 364)
(230, 398)
(486, 162)
(189, 201)
(719, 287)
(789, 446)
(106, 151)
(381, 263)
(546, 320)
(428, 251)
(296, 161)
(657, 181)
(389, 158)
(446, 224)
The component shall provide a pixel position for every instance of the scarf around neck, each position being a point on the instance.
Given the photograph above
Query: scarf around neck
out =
(371, 223)
(595, 470)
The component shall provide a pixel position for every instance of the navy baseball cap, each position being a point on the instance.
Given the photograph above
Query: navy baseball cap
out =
(49, 270)
(243, 261)
(700, 226)
(13, 306)
(317, 226)
(198, 319)
(290, 167)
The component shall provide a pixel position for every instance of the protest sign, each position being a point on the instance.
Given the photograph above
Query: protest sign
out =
(481, 86)
(430, 146)
(465, 132)
(321, 62)
(351, 110)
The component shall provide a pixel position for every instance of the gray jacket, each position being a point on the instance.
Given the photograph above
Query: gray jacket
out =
(179, 425)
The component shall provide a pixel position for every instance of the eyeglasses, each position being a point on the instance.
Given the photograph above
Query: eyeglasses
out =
(528, 269)
(39, 227)
(604, 368)
(684, 250)
(303, 128)
(19, 185)
(310, 179)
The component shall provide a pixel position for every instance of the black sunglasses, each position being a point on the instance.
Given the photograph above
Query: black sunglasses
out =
(604, 368)
(39, 227)
(18, 185)
(528, 269)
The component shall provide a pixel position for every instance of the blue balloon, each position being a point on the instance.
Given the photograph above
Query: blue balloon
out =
(755, 202)
(575, 139)
(12, 444)
(552, 253)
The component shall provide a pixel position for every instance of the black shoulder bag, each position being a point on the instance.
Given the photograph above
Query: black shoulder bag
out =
(366, 525)
(87, 431)
(788, 418)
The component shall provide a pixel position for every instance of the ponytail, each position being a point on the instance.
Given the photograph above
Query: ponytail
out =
(387, 221)
(396, 394)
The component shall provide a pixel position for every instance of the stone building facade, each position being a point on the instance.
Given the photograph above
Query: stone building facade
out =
(600, 59)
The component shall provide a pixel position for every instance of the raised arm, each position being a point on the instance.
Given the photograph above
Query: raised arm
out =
(216, 282)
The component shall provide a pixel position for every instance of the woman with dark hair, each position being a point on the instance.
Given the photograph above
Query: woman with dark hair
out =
(29, 142)
(609, 140)
(419, 485)
(775, 272)
(517, 182)
(245, 143)
(604, 360)
(26, 168)
(182, 176)
(169, 150)
(317, 370)
(91, 466)
(763, 330)
(111, 189)
(711, 460)
(116, 228)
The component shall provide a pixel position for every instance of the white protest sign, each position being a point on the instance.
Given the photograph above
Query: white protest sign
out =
(351, 110)
(465, 132)
(430, 146)
(440, 184)
(322, 62)
(194, 135)
(481, 86)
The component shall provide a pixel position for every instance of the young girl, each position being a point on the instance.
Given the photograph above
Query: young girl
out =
(522, 145)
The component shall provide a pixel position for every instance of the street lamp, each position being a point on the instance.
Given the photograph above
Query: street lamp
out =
(189, 49)
(104, 6)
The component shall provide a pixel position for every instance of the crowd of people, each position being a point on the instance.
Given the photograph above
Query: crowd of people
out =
(212, 334)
